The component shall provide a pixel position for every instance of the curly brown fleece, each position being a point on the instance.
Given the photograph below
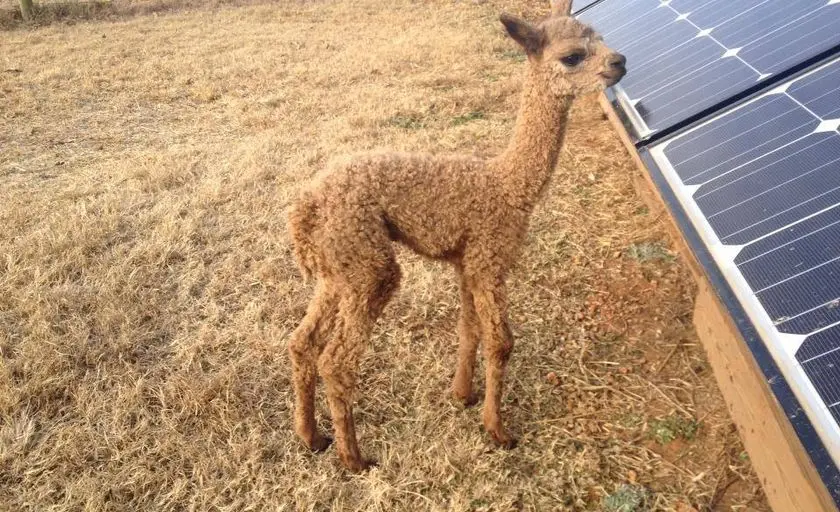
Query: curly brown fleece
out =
(469, 212)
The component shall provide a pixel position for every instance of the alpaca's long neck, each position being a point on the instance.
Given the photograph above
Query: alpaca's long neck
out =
(529, 160)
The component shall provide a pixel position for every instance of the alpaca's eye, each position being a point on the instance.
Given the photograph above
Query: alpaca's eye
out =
(573, 59)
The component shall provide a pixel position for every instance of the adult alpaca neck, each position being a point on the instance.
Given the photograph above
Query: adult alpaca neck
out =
(529, 160)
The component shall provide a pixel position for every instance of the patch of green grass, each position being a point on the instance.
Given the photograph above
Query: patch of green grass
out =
(631, 420)
(407, 121)
(665, 430)
(628, 498)
(649, 251)
(466, 118)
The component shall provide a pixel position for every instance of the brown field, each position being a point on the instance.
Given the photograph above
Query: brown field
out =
(147, 288)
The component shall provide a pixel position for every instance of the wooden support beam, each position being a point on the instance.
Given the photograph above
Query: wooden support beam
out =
(788, 476)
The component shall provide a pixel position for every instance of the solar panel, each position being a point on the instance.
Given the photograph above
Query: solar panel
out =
(760, 183)
(686, 56)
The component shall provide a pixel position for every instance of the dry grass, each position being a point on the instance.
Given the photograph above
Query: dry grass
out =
(147, 288)
(46, 12)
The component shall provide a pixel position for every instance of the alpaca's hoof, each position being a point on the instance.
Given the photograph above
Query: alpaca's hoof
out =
(369, 464)
(510, 443)
(320, 444)
(467, 401)
(360, 466)
(504, 440)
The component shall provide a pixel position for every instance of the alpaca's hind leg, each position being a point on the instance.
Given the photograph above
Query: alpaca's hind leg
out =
(491, 308)
(468, 336)
(338, 366)
(305, 346)
(339, 362)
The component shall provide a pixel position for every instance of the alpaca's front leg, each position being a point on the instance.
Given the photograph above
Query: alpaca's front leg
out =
(468, 336)
(491, 308)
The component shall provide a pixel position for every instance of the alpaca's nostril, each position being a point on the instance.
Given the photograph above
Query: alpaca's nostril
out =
(615, 68)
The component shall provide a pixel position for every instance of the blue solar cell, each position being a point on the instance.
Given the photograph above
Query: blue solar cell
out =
(685, 56)
(655, 29)
(822, 221)
(710, 134)
(819, 94)
(666, 105)
(819, 343)
(714, 13)
(792, 251)
(793, 258)
(807, 170)
(824, 373)
(819, 317)
(801, 293)
(793, 41)
(718, 149)
(784, 218)
(762, 21)
(613, 15)
(784, 169)
(651, 79)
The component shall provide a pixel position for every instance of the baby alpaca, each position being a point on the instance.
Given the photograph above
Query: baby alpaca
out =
(469, 212)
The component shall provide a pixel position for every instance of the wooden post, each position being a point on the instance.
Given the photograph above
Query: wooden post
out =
(26, 9)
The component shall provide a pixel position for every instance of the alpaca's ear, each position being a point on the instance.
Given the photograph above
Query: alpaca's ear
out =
(527, 35)
(561, 7)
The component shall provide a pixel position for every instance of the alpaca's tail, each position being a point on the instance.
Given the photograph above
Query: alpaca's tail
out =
(303, 219)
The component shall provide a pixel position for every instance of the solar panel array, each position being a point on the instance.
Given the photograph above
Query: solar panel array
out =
(689, 55)
(761, 182)
(736, 108)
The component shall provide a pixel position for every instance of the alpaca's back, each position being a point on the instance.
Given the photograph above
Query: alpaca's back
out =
(431, 204)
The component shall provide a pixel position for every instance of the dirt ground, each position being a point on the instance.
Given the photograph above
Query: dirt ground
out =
(147, 288)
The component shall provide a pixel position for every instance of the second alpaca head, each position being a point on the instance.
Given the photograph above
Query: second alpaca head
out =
(571, 58)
